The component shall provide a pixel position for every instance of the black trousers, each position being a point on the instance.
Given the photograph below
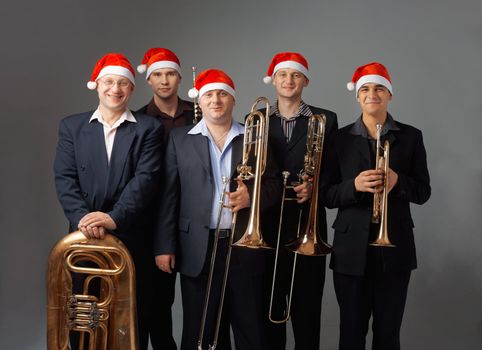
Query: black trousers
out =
(243, 304)
(306, 302)
(378, 294)
(155, 298)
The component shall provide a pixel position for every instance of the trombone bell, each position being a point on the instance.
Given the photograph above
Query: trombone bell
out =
(308, 245)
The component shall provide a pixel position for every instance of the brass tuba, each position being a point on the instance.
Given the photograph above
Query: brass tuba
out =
(380, 199)
(110, 319)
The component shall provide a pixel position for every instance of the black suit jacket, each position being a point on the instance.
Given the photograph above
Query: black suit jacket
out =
(187, 197)
(289, 156)
(348, 155)
(123, 188)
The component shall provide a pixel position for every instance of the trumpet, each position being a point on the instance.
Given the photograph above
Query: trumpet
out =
(380, 199)
(310, 243)
(110, 319)
(197, 109)
(255, 133)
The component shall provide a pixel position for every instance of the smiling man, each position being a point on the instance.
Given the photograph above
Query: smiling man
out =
(163, 74)
(107, 171)
(372, 281)
(196, 160)
(289, 74)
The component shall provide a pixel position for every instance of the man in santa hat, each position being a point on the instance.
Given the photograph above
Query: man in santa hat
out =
(372, 266)
(289, 74)
(107, 170)
(163, 74)
(197, 158)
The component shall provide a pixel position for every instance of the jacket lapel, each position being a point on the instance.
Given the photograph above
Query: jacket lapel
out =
(361, 145)
(236, 154)
(93, 135)
(299, 131)
(200, 146)
(124, 137)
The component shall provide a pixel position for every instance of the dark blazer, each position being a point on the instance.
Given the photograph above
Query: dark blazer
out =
(289, 156)
(184, 219)
(124, 189)
(348, 155)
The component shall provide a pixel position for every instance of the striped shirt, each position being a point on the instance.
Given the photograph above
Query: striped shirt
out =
(288, 124)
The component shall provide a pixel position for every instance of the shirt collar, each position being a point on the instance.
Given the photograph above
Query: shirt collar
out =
(182, 106)
(126, 116)
(201, 128)
(359, 127)
(303, 110)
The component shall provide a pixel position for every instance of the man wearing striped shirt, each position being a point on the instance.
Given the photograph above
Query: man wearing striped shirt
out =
(288, 72)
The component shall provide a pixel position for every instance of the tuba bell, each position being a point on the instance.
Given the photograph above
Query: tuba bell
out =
(106, 321)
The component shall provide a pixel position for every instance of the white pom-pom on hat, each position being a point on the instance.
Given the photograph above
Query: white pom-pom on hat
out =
(350, 86)
(267, 80)
(193, 93)
(141, 68)
(91, 85)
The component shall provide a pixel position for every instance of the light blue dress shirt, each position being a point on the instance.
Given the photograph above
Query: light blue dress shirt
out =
(220, 166)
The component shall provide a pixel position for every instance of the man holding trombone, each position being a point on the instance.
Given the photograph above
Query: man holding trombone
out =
(289, 120)
(372, 183)
(197, 205)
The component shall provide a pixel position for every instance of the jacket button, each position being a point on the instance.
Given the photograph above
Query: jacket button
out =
(85, 194)
(82, 167)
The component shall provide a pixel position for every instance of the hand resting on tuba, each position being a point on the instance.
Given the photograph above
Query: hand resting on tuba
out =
(95, 224)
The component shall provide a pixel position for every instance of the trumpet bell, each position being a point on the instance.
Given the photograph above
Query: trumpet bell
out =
(305, 245)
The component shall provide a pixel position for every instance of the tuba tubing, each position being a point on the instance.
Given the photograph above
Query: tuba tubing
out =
(110, 319)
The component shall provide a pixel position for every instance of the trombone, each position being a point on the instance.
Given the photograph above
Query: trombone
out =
(255, 144)
(197, 109)
(310, 243)
(380, 199)
(255, 133)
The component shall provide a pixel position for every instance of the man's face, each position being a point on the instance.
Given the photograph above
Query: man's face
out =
(217, 107)
(114, 92)
(164, 82)
(289, 83)
(373, 98)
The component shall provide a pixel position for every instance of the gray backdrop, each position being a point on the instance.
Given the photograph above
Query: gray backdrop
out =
(431, 48)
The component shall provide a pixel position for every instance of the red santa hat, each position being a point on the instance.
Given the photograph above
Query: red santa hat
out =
(282, 60)
(112, 63)
(156, 58)
(212, 79)
(373, 72)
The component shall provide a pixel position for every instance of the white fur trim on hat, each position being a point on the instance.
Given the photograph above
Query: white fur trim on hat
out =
(267, 80)
(193, 93)
(216, 86)
(117, 70)
(91, 85)
(162, 64)
(374, 78)
(141, 68)
(291, 64)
